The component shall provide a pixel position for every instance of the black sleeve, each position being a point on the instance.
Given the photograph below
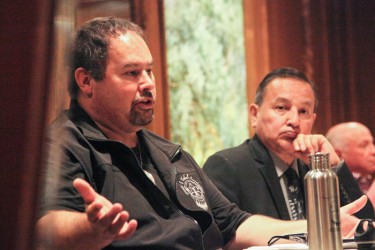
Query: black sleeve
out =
(350, 191)
(227, 215)
(60, 170)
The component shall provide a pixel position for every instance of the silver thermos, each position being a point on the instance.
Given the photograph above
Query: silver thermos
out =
(322, 205)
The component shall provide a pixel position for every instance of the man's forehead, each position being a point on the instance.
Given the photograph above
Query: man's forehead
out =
(124, 38)
(282, 86)
(287, 81)
(127, 38)
(132, 47)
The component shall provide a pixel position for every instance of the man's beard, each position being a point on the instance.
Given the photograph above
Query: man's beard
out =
(141, 118)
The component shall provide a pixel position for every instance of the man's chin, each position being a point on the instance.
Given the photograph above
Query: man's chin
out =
(142, 119)
(287, 147)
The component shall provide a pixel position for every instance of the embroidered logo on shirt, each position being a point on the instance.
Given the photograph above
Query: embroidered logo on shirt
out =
(194, 189)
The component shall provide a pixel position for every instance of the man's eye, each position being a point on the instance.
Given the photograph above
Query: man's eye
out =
(363, 144)
(149, 71)
(280, 107)
(306, 113)
(132, 73)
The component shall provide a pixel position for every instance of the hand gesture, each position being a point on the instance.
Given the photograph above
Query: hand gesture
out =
(349, 222)
(109, 221)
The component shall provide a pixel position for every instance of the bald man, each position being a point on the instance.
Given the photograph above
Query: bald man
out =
(354, 143)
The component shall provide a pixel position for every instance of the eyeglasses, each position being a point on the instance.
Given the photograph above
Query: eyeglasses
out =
(300, 238)
(361, 235)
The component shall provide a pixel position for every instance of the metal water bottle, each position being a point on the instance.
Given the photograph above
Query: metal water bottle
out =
(322, 205)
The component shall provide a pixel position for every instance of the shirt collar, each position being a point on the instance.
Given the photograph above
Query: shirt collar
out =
(280, 166)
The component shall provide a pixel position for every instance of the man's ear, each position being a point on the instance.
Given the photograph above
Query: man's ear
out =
(314, 117)
(84, 80)
(253, 112)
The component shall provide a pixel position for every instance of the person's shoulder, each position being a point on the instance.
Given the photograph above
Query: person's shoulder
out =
(151, 136)
(63, 130)
(231, 154)
(244, 146)
(158, 141)
(230, 159)
(61, 122)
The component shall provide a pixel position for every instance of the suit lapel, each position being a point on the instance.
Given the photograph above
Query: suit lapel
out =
(267, 169)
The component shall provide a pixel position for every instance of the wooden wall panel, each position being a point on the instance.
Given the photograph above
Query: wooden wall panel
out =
(256, 37)
(286, 34)
(25, 47)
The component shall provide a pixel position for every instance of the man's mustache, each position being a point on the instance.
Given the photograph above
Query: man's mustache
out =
(147, 93)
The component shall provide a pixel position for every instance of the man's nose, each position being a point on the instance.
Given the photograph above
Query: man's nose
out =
(146, 82)
(293, 117)
(372, 148)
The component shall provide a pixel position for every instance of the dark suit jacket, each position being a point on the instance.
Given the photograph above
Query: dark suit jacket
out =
(246, 175)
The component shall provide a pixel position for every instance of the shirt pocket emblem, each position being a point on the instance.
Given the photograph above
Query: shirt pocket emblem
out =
(193, 189)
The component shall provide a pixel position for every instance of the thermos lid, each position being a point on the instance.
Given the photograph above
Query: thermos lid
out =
(319, 160)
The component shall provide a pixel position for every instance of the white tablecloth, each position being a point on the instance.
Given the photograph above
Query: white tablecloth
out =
(281, 247)
(348, 246)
